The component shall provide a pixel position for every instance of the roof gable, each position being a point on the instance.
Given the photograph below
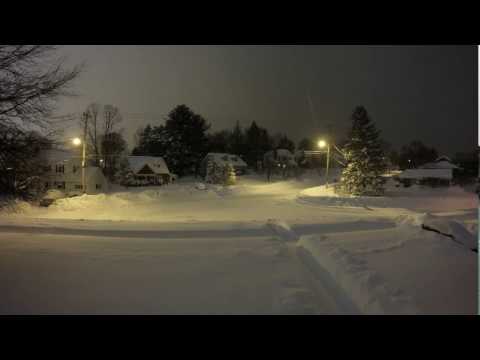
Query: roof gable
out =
(145, 170)
(156, 164)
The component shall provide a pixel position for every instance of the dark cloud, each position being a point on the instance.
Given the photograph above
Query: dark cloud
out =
(412, 92)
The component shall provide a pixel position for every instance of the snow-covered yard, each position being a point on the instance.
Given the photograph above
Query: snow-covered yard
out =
(256, 247)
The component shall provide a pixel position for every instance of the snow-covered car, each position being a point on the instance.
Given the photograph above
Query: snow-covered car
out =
(50, 197)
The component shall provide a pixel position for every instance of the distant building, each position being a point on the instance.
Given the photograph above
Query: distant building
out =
(284, 157)
(63, 171)
(442, 162)
(220, 159)
(441, 169)
(150, 170)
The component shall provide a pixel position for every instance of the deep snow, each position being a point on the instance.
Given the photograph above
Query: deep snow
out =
(287, 247)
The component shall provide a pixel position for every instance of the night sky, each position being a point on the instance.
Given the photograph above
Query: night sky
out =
(411, 92)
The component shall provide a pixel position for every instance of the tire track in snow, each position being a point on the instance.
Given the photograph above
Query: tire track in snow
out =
(329, 296)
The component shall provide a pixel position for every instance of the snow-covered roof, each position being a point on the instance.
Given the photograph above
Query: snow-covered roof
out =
(442, 164)
(443, 158)
(284, 153)
(426, 173)
(156, 163)
(223, 158)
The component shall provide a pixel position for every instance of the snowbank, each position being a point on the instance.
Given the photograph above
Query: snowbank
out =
(415, 198)
(431, 273)
(282, 229)
(366, 288)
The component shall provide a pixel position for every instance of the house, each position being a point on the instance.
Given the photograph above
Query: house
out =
(220, 159)
(441, 170)
(63, 171)
(280, 158)
(150, 170)
(442, 162)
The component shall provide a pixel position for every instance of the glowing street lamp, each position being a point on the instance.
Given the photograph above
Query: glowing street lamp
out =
(77, 141)
(322, 144)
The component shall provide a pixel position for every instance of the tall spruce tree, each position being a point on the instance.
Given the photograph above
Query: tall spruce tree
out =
(364, 156)
(237, 141)
(185, 140)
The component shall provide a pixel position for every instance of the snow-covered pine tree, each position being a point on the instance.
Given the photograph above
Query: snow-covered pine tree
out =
(229, 177)
(364, 157)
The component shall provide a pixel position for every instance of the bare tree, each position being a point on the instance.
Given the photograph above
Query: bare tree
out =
(32, 80)
(112, 117)
(113, 143)
(93, 134)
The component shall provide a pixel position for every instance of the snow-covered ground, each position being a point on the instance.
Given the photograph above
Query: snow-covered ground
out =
(286, 247)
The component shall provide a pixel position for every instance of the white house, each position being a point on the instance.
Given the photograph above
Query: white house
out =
(443, 162)
(442, 169)
(63, 171)
(151, 170)
(221, 159)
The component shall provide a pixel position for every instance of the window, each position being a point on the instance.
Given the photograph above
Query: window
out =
(74, 169)
(60, 168)
(234, 158)
(98, 186)
(78, 187)
(225, 158)
(46, 185)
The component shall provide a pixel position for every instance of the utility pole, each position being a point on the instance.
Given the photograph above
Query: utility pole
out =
(328, 163)
(85, 119)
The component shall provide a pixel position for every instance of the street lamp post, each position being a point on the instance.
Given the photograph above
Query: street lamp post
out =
(78, 141)
(322, 144)
(84, 151)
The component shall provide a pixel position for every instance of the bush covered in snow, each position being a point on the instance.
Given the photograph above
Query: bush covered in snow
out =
(229, 177)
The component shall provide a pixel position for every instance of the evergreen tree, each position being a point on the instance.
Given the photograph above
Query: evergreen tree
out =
(183, 140)
(305, 144)
(364, 156)
(237, 141)
(113, 147)
(286, 143)
(258, 142)
(416, 154)
(143, 140)
(125, 175)
(219, 141)
(229, 177)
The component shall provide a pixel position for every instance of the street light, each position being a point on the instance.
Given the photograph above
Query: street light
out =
(322, 144)
(76, 141)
